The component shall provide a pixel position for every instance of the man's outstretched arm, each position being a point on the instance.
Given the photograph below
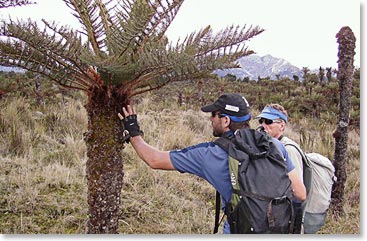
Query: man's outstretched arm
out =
(155, 158)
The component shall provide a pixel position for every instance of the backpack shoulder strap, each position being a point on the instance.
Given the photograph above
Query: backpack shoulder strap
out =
(307, 168)
(224, 143)
(307, 174)
(217, 211)
(303, 155)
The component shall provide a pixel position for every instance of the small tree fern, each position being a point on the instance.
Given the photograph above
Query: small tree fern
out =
(346, 51)
(121, 51)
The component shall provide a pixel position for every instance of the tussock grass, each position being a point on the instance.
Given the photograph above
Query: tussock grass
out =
(42, 168)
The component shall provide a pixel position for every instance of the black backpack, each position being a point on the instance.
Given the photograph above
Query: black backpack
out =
(262, 194)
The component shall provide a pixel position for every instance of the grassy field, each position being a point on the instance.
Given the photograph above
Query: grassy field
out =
(42, 169)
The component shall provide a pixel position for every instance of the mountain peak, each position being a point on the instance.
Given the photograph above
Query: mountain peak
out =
(254, 66)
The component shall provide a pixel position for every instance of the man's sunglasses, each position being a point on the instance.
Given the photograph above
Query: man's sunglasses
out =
(216, 113)
(268, 122)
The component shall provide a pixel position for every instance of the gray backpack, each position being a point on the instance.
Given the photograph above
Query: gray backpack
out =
(319, 194)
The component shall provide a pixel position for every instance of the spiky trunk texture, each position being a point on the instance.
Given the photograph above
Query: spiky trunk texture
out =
(104, 168)
(346, 40)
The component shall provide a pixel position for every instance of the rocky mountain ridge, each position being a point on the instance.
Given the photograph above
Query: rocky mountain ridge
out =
(255, 66)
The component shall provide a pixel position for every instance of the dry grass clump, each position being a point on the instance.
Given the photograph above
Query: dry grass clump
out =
(42, 166)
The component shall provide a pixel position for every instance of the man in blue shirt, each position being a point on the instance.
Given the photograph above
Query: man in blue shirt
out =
(206, 160)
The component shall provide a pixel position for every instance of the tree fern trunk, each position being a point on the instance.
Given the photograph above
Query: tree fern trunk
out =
(346, 54)
(104, 167)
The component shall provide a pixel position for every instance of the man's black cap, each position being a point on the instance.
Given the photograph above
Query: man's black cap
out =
(232, 104)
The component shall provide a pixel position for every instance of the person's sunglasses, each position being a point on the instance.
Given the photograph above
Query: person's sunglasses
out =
(216, 113)
(267, 121)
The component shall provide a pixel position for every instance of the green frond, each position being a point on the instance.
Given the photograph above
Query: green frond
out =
(54, 55)
(14, 3)
(143, 21)
(198, 55)
(227, 45)
(87, 12)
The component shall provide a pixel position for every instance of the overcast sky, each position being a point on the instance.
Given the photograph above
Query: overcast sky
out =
(301, 32)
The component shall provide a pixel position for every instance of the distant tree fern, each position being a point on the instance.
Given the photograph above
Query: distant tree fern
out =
(346, 51)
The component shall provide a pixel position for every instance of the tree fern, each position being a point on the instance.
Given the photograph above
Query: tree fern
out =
(120, 51)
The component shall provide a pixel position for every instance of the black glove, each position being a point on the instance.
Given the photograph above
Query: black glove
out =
(131, 127)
